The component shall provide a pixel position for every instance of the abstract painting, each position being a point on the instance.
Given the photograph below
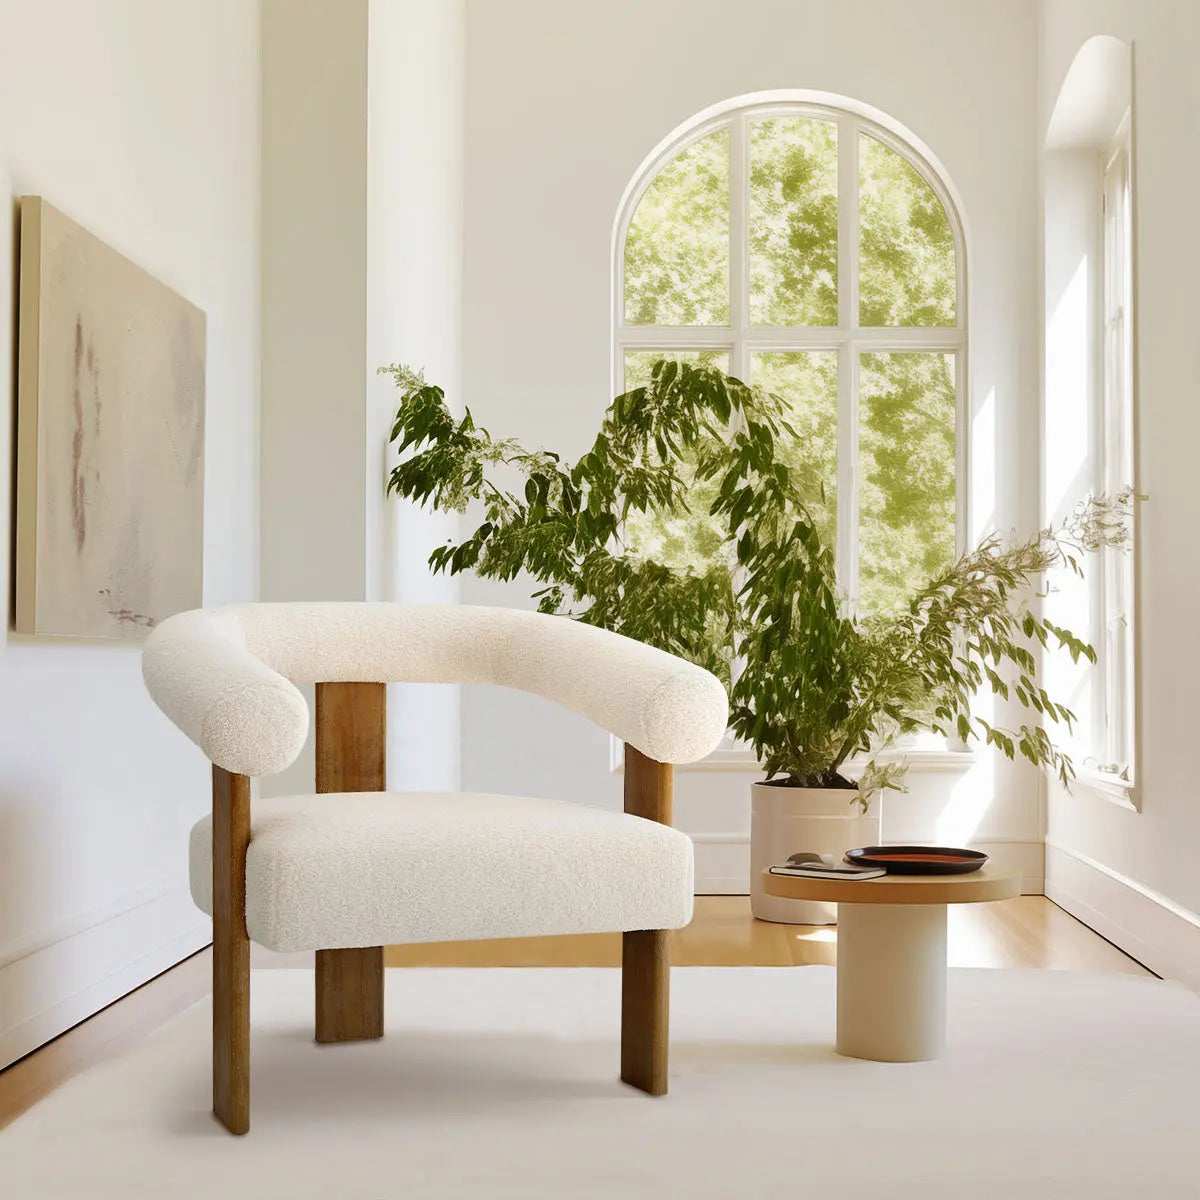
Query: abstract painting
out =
(110, 438)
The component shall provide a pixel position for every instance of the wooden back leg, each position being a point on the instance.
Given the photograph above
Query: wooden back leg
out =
(646, 953)
(231, 951)
(351, 757)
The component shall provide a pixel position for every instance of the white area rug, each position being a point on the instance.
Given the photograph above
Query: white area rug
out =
(499, 1083)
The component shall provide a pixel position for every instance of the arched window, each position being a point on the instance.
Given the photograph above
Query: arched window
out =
(811, 248)
(1089, 426)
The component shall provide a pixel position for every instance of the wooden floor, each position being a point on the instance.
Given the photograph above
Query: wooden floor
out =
(1029, 931)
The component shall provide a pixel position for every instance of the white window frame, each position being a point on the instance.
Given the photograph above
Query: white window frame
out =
(1115, 732)
(848, 339)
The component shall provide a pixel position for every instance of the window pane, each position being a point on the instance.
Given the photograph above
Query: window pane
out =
(639, 363)
(906, 248)
(677, 247)
(906, 475)
(681, 539)
(807, 380)
(793, 222)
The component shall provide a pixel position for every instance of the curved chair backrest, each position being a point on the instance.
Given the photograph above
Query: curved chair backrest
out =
(227, 676)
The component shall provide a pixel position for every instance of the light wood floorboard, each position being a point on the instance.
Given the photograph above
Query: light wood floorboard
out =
(1029, 931)
(102, 1036)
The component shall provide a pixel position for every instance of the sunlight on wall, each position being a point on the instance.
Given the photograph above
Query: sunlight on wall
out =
(983, 468)
(1068, 474)
(969, 801)
(1068, 379)
(1070, 465)
(972, 795)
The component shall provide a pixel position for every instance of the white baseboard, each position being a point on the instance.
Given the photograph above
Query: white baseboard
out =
(51, 984)
(723, 863)
(1147, 925)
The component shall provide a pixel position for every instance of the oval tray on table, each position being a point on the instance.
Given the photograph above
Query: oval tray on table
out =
(918, 860)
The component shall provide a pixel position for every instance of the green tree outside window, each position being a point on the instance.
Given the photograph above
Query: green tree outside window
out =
(892, 410)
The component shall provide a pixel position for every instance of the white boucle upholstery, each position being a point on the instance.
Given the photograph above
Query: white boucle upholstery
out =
(227, 676)
(372, 868)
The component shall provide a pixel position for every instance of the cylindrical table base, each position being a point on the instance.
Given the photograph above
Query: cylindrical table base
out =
(891, 981)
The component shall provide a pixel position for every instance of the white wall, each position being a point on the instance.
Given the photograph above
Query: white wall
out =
(1133, 875)
(414, 316)
(563, 102)
(1070, 424)
(362, 265)
(140, 120)
(314, 308)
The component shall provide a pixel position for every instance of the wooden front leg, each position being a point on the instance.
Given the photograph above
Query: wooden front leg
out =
(350, 994)
(231, 951)
(351, 757)
(646, 953)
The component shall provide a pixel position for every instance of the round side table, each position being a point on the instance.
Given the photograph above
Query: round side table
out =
(891, 954)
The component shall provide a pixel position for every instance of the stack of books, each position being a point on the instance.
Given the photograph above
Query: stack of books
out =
(813, 866)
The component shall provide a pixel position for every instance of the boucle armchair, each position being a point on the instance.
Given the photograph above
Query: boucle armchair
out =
(353, 867)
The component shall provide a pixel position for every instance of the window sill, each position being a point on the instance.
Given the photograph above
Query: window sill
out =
(1106, 786)
(733, 759)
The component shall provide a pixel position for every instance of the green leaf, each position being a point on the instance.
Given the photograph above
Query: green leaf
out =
(756, 599)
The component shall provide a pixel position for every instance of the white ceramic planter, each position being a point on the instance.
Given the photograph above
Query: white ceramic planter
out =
(784, 820)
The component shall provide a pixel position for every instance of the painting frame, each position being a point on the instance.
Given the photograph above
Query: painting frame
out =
(111, 388)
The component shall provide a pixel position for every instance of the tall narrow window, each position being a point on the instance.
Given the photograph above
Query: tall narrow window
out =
(1089, 396)
(811, 250)
(1117, 464)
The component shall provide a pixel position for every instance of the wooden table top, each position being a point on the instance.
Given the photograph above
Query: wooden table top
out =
(988, 883)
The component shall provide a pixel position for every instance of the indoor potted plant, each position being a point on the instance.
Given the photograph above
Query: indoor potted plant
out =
(812, 686)
(819, 688)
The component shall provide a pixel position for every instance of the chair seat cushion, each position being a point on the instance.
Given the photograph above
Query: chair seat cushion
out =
(371, 868)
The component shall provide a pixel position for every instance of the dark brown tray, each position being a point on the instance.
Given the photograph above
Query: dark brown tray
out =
(918, 860)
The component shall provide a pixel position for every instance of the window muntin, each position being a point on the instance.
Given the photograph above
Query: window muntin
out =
(844, 265)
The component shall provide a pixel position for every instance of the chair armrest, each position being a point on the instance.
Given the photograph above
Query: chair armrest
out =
(246, 717)
(227, 676)
(671, 710)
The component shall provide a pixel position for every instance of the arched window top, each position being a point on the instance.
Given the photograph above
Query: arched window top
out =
(810, 244)
(1095, 95)
(801, 210)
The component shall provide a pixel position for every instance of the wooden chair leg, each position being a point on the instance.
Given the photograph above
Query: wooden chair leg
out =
(350, 994)
(645, 1009)
(646, 954)
(231, 951)
(351, 747)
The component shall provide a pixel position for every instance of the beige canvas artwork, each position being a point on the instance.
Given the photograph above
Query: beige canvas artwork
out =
(110, 433)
